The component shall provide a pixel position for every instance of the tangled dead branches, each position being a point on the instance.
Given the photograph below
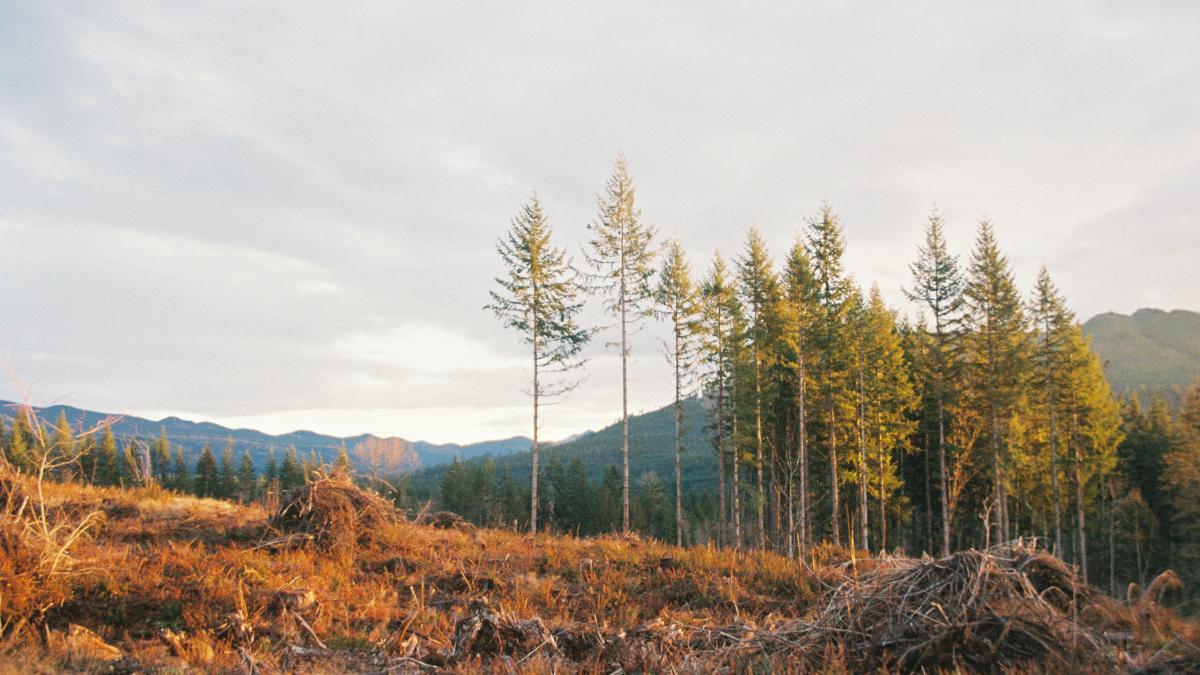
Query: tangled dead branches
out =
(337, 515)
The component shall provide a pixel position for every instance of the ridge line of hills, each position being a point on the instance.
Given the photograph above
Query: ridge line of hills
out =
(390, 454)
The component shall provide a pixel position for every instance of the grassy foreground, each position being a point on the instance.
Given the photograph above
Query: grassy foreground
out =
(335, 582)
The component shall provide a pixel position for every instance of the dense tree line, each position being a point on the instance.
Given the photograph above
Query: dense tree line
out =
(101, 458)
(983, 417)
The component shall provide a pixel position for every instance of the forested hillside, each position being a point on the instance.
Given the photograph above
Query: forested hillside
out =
(367, 452)
(1149, 352)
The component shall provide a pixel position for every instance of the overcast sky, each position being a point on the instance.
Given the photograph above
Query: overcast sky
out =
(284, 216)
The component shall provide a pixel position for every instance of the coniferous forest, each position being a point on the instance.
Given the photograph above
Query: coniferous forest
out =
(979, 416)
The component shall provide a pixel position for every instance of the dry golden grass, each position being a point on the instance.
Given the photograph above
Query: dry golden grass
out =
(173, 581)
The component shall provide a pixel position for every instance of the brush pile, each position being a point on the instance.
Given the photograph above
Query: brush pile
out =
(1007, 606)
(337, 515)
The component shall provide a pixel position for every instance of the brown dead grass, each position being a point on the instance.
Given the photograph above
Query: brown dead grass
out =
(174, 581)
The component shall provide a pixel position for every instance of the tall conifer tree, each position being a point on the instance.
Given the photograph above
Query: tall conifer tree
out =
(679, 303)
(759, 290)
(938, 285)
(721, 333)
(997, 358)
(539, 298)
(833, 382)
(801, 293)
(621, 254)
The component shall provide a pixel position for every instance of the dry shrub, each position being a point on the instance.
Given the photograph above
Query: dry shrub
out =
(36, 565)
(337, 515)
(1009, 606)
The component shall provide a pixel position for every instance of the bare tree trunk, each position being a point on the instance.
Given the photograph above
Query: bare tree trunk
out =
(833, 469)
(722, 515)
(928, 533)
(736, 469)
(882, 496)
(624, 406)
(942, 474)
(678, 449)
(758, 447)
(1080, 517)
(864, 541)
(998, 492)
(533, 454)
(802, 447)
(1054, 483)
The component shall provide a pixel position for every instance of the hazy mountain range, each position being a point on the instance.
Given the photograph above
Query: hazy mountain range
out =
(1150, 352)
(385, 455)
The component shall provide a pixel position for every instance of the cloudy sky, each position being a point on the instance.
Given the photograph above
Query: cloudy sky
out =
(284, 215)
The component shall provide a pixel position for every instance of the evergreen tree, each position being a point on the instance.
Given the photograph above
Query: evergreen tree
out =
(801, 308)
(19, 453)
(997, 358)
(721, 334)
(760, 296)
(1094, 431)
(831, 342)
(539, 298)
(1055, 326)
(938, 285)
(227, 487)
(291, 474)
(208, 476)
(160, 456)
(181, 479)
(456, 489)
(271, 476)
(109, 469)
(886, 411)
(62, 446)
(622, 257)
(247, 479)
(1181, 488)
(87, 458)
(611, 490)
(679, 303)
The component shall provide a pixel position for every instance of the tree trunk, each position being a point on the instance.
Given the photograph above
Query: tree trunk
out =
(836, 523)
(758, 448)
(864, 541)
(735, 468)
(533, 454)
(1053, 455)
(802, 446)
(999, 496)
(722, 515)
(1080, 517)
(678, 448)
(624, 407)
(945, 493)
(882, 497)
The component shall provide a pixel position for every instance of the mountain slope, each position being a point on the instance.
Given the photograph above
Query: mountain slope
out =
(385, 455)
(1150, 351)
(651, 449)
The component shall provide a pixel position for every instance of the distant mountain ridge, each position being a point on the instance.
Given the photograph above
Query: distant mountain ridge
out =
(1149, 352)
(367, 451)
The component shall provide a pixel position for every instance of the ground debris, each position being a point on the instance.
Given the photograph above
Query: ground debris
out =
(487, 632)
(337, 515)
